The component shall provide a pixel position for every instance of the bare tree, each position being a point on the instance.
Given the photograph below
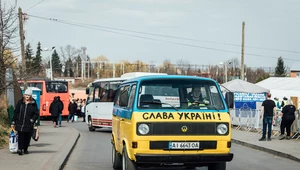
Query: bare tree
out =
(167, 67)
(8, 34)
(69, 53)
(183, 66)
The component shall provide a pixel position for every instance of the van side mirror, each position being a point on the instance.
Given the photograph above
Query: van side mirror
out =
(124, 99)
(229, 99)
(87, 91)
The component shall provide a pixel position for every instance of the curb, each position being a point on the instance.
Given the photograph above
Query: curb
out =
(271, 151)
(61, 167)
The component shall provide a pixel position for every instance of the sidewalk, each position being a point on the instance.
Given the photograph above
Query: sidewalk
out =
(284, 148)
(50, 152)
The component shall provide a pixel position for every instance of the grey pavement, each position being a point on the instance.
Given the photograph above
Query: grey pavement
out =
(284, 148)
(50, 152)
(55, 145)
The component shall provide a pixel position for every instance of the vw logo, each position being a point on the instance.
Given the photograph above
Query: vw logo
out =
(184, 128)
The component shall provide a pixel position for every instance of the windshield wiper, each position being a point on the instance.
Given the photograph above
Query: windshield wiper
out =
(156, 102)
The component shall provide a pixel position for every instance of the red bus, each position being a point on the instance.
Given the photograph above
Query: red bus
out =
(50, 89)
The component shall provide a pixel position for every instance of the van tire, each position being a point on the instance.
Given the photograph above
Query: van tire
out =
(217, 166)
(91, 127)
(127, 164)
(116, 158)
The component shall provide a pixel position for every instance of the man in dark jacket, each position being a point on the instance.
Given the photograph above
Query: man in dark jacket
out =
(72, 110)
(25, 114)
(55, 109)
(60, 113)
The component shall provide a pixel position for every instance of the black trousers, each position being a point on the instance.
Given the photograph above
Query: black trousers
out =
(286, 124)
(24, 139)
(55, 119)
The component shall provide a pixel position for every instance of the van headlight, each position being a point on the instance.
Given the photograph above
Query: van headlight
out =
(222, 129)
(143, 129)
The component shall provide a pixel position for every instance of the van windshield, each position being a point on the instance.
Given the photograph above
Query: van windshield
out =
(181, 94)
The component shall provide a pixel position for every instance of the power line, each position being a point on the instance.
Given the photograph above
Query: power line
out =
(176, 37)
(148, 38)
(34, 5)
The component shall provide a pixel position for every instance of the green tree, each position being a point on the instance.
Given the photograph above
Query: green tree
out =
(56, 65)
(68, 68)
(37, 61)
(280, 70)
(28, 58)
(78, 62)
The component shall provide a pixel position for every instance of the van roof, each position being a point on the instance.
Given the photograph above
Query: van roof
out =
(168, 77)
(138, 74)
(127, 76)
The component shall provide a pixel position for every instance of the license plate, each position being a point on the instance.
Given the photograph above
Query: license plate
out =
(184, 145)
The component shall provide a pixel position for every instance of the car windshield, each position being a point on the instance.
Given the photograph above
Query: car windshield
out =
(180, 94)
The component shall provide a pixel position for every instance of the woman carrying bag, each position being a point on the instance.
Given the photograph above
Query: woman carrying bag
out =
(25, 114)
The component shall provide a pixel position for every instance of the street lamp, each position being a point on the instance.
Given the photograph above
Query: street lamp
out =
(51, 72)
(225, 67)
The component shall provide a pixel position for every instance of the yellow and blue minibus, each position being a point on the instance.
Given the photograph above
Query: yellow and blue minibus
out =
(170, 120)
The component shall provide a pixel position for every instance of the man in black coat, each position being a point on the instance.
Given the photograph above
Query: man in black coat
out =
(55, 109)
(72, 110)
(60, 113)
(25, 114)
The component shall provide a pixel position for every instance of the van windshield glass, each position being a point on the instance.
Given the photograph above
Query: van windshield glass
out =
(181, 94)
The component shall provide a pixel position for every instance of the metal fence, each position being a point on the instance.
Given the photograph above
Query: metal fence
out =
(247, 119)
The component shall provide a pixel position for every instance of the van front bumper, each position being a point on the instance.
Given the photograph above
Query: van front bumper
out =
(189, 159)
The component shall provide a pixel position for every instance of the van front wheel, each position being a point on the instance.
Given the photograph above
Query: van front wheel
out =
(127, 164)
(91, 127)
(116, 158)
(217, 166)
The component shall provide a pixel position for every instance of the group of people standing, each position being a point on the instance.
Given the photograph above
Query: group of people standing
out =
(76, 108)
(268, 113)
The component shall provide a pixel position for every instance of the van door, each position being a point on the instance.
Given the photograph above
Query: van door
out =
(127, 94)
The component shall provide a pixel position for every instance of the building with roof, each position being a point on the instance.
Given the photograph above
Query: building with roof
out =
(295, 70)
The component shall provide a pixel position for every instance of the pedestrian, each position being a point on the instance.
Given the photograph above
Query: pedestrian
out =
(277, 103)
(79, 106)
(55, 109)
(288, 117)
(83, 111)
(267, 112)
(72, 108)
(25, 114)
(284, 102)
(60, 113)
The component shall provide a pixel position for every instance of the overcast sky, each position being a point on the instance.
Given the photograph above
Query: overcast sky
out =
(206, 25)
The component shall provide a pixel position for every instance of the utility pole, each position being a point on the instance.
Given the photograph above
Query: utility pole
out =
(22, 40)
(242, 56)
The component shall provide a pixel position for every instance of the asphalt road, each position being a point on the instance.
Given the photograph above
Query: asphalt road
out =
(93, 151)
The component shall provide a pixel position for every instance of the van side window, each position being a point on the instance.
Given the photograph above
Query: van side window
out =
(131, 96)
(117, 98)
(124, 96)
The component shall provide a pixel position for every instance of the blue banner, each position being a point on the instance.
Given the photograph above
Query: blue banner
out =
(249, 97)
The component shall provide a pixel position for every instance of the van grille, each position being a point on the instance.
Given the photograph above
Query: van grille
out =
(182, 128)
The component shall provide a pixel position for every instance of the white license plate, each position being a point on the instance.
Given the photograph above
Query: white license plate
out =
(184, 145)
